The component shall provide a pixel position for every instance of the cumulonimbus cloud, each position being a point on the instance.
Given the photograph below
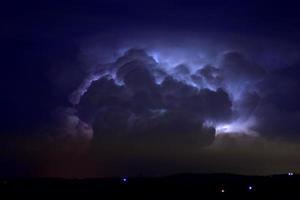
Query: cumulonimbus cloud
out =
(141, 87)
(130, 99)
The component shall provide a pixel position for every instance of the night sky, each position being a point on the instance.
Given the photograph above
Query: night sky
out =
(116, 88)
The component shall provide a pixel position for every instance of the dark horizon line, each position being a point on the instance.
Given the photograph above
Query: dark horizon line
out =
(175, 175)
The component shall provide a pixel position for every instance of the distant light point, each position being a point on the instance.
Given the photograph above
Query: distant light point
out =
(222, 190)
(291, 173)
(124, 180)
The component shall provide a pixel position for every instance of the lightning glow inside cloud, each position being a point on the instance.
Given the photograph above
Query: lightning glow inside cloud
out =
(232, 73)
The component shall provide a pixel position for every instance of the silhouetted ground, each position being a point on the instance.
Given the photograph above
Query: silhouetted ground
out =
(184, 186)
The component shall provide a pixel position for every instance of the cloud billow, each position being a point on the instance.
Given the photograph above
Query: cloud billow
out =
(130, 101)
(136, 94)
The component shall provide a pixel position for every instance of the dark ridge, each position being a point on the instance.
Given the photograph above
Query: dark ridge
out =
(179, 185)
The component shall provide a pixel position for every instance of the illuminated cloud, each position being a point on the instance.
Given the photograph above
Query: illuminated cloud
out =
(137, 94)
(69, 125)
(136, 83)
(141, 105)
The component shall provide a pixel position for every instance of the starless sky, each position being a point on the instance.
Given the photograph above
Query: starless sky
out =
(126, 88)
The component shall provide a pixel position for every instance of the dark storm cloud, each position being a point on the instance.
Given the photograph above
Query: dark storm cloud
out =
(247, 105)
(210, 74)
(220, 88)
(139, 107)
